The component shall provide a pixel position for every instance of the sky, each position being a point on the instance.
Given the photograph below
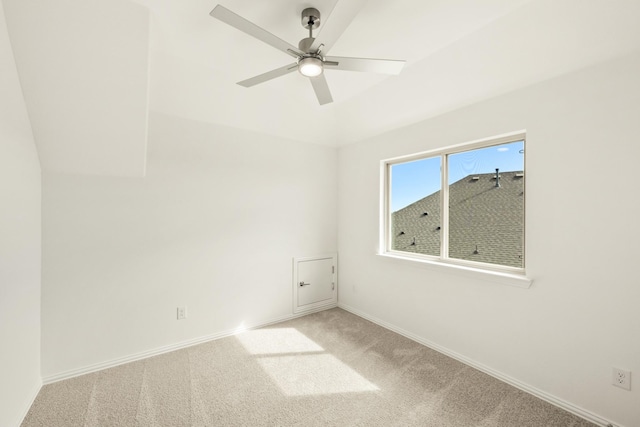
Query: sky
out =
(411, 181)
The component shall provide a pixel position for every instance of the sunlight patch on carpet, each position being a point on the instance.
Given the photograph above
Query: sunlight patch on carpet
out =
(314, 374)
(277, 341)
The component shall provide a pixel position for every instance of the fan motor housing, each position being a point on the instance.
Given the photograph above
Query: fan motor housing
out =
(305, 44)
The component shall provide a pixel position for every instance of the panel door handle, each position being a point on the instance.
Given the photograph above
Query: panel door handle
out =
(304, 284)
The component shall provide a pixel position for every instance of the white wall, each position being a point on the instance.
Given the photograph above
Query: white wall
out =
(214, 226)
(580, 317)
(84, 69)
(19, 246)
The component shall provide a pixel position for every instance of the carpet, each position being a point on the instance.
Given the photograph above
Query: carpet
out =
(330, 368)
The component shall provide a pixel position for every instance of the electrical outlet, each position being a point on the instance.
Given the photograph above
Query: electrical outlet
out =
(622, 378)
(182, 313)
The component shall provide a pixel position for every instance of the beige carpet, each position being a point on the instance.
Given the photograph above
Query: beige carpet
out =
(326, 369)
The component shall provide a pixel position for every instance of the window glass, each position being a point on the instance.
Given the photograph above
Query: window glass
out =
(486, 205)
(415, 206)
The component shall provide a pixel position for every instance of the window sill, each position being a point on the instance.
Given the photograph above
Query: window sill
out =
(504, 278)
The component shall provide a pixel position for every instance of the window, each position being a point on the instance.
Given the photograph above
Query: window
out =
(463, 205)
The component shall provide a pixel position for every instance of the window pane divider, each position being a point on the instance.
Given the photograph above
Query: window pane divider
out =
(444, 207)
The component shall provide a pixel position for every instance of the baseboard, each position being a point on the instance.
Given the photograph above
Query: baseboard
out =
(172, 347)
(569, 407)
(27, 405)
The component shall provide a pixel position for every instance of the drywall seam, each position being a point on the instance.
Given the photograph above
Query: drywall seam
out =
(171, 347)
(563, 404)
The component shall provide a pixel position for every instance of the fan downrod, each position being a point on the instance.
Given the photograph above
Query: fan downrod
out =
(310, 21)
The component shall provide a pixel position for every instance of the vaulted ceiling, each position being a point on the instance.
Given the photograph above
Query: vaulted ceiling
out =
(91, 71)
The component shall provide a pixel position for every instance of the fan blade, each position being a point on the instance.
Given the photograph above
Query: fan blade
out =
(321, 88)
(334, 25)
(269, 75)
(238, 22)
(383, 66)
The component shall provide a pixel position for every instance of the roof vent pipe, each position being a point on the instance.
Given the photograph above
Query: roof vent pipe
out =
(497, 177)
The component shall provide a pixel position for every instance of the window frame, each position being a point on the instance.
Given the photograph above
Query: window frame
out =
(518, 274)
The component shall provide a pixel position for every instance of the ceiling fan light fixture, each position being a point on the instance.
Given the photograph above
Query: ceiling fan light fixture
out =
(310, 66)
(310, 55)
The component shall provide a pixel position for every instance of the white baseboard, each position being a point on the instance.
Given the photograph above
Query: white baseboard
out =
(569, 407)
(172, 347)
(27, 404)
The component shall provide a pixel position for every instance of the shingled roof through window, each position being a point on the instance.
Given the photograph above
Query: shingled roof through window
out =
(486, 222)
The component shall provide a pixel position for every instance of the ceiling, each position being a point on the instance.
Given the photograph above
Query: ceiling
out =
(209, 57)
(175, 59)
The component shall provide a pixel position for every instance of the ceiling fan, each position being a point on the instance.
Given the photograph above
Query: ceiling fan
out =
(310, 53)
